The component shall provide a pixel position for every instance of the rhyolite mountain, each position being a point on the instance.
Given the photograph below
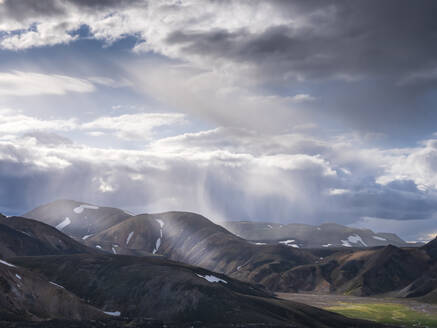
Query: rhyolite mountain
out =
(77, 219)
(309, 236)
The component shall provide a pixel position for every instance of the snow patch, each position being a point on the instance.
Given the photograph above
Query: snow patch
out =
(158, 241)
(260, 244)
(114, 314)
(379, 238)
(211, 278)
(87, 236)
(114, 250)
(18, 276)
(80, 208)
(157, 245)
(129, 237)
(98, 246)
(269, 226)
(55, 284)
(8, 264)
(345, 243)
(327, 245)
(355, 239)
(289, 243)
(63, 224)
(26, 233)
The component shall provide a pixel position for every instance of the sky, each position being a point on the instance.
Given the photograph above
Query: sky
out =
(285, 111)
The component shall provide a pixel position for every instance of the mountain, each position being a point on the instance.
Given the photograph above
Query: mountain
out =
(425, 286)
(308, 236)
(193, 239)
(80, 220)
(381, 270)
(25, 295)
(26, 237)
(176, 293)
(93, 287)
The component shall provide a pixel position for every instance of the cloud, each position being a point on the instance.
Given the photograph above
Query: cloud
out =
(17, 83)
(222, 173)
(133, 126)
(14, 122)
(364, 69)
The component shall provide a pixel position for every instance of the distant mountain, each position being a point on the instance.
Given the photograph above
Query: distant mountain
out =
(26, 237)
(308, 236)
(389, 270)
(156, 288)
(426, 285)
(192, 238)
(77, 219)
(25, 295)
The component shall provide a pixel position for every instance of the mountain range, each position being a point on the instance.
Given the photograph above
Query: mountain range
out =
(46, 275)
(75, 261)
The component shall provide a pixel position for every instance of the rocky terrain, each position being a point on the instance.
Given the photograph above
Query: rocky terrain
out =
(307, 236)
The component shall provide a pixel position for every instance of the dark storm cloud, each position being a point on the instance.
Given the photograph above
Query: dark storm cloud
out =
(369, 38)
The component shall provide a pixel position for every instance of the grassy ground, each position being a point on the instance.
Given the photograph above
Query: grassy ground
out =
(389, 313)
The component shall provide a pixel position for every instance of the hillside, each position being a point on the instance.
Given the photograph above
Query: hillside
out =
(26, 237)
(157, 288)
(193, 239)
(25, 295)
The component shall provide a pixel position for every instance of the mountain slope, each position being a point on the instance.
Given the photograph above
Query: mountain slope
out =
(193, 239)
(426, 285)
(76, 219)
(361, 272)
(25, 295)
(308, 236)
(26, 237)
(173, 292)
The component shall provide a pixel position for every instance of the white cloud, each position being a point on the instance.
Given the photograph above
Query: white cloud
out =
(14, 122)
(302, 97)
(133, 126)
(17, 83)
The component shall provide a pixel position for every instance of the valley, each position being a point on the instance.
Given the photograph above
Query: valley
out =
(404, 312)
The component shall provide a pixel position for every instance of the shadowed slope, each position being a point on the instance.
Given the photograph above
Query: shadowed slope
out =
(21, 236)
(161, 289)
(25, 295)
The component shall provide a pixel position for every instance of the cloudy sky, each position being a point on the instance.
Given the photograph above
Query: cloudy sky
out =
(279, 110)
